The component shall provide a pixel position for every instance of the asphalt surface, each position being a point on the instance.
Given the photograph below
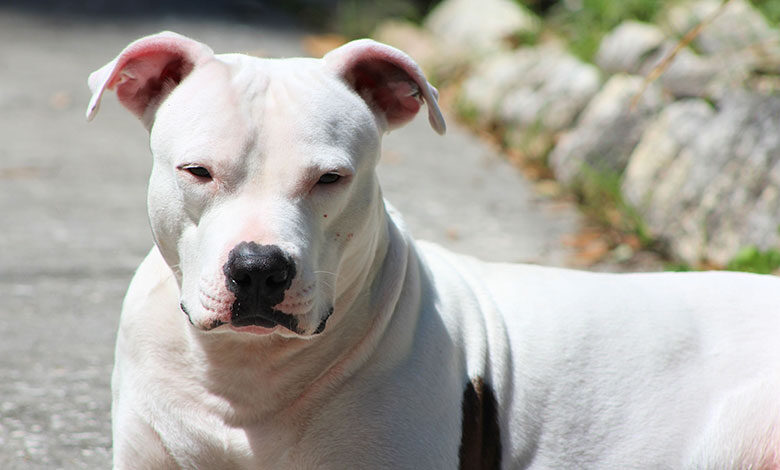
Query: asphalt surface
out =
(73, 223)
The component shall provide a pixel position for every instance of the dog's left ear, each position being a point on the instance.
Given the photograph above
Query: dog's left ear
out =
(388, 80)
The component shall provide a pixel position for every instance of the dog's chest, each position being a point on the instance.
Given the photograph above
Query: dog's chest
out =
(219, 445)
(262, 446)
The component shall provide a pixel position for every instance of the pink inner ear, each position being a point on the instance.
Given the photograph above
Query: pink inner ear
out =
(389, 80)
(145, 81)
(387, 88)
(146, 71)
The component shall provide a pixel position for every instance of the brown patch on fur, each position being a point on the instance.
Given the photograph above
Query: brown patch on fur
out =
(480, 442)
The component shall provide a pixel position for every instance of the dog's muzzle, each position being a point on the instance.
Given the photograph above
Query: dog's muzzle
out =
(258, 275)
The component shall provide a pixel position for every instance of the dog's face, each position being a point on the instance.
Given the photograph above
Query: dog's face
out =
(263, 197)
(259, 207)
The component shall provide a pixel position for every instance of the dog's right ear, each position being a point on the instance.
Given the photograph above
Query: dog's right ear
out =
(146, 71)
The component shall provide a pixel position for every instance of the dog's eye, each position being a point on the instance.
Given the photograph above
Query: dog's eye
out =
(198, 171)
(329, 178)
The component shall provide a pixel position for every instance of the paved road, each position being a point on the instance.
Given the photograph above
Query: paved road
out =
(73, 223)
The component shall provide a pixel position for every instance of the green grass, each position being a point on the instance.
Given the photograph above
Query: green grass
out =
(467, 112)
(748, 259)
(770, 10)
(679, 267)
(525, 38)
(753, 260)
(585, 26)
(601, 198)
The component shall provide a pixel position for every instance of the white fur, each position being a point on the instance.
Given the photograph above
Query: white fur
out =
(589, 370)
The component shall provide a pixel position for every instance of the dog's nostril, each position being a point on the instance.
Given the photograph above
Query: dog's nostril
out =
(276, 279)
(241, 279)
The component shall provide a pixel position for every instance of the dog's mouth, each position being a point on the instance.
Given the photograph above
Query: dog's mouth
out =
(271, 319)
(265, 318)
(263, 322)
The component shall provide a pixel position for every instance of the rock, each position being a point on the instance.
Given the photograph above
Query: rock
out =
(546, 99)
(735, 44)
(738, 27)
(490, 81)
(607, 130)
(532, 93)
(480, 27)
(628, 46)
(550, 91)
(661, 143)
(438, 62)
(654, 175)
(691, 75)
(639, 48)
(709, 182)
(740, 204)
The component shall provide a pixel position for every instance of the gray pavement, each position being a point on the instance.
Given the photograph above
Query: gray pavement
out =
(73, 223)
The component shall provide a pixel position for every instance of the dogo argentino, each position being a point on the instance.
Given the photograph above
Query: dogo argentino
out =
(286, 319)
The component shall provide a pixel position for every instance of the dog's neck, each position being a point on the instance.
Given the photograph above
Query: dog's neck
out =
(260, 378)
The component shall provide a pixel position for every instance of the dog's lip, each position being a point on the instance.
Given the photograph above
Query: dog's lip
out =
(270, 318)
(253, 329)
(268, 326)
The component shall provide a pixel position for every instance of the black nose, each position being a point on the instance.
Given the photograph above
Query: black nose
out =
(258, 275)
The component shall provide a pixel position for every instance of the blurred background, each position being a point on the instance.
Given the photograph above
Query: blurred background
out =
(632, 135)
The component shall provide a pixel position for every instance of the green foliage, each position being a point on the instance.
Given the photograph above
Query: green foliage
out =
(770, 9)
(467, 112)
(753, 260)
(583, 23)
(525, 38)
(601, 197)
(679, 267)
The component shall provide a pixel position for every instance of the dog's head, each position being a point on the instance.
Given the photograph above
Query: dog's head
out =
(263, 197)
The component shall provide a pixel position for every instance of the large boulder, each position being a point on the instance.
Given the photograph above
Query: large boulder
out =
(735, 27)
(708, 181)
(657, 170)
(690, 75)
(607, 130)
(627, 47)
(551, 90)
(489, 81)
(497, 85)
(736, 39)
(532, 94)
(481, 27)
(644, 49)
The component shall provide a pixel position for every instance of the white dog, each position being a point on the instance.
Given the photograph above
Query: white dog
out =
(285, 319)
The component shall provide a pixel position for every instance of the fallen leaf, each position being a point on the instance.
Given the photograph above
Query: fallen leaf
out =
(317, 45)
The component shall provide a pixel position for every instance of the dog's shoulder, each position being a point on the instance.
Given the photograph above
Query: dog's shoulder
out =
(150, 308)
(152, 282)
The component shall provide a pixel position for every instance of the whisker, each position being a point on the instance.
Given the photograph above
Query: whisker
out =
(326, 272)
